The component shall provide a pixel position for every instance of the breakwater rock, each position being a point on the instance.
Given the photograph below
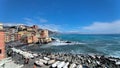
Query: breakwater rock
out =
(63, 60)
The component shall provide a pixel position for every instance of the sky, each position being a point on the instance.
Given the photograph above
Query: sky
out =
(72, 16)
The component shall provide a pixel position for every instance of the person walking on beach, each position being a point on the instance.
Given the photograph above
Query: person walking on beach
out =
(34, 65)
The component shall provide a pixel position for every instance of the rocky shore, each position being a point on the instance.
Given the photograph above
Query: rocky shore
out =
(29, 60)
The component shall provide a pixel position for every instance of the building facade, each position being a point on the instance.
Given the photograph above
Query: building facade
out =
(2, 43)
(44, 34)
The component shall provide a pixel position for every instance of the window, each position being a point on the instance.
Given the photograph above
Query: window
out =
(0, 51)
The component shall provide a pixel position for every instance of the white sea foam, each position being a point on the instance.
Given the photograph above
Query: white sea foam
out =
(64, 43)
(115, 54)
(61, 43)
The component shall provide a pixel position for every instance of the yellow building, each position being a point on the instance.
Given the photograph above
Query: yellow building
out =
(30, 39)
(22, 33)
(1, 26)
(7, 37)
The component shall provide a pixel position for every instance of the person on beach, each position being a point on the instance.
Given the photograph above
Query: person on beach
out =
(34, 66)
(26, 61)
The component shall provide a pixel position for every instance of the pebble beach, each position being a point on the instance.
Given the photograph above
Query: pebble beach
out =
(74, 60)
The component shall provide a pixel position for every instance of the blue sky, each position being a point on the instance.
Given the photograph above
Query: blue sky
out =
(79, 16)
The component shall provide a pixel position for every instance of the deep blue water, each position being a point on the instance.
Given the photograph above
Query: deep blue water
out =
(96, 44)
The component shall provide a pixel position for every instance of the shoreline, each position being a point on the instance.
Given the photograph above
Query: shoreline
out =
(87, 60)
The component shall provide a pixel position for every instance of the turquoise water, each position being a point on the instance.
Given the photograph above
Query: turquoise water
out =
(93, 44)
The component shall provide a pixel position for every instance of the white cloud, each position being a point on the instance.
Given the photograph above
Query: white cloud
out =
(52, 27)
(29, 21)
(103, 27)
(43, 20)
(12, 24)
(42, 24)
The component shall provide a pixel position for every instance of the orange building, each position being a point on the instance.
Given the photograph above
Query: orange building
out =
(35, 39)
(2, 43)
(44, 34)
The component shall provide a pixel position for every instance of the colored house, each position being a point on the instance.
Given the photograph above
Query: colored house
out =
(2, 43)
(7, 37)
(44, 34)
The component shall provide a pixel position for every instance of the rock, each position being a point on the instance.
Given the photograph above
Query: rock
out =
(61, 64)
(51, 62)
(46, 58)
(118, 63)
(66, 65)
(79, 66)
(35, 55)
(44, 61)
(55, 64)
(73, 65)
(39, 63)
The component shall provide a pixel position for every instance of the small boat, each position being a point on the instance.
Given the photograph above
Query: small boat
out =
(73, 65)
(39, 63)
(55, 64)
(50, 62)
(61, 64)
(66, 65)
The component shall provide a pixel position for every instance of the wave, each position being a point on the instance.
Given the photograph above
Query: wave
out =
(61, 43)
(115, 54)
(58, 42)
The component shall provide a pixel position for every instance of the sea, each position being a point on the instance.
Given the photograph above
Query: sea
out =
(100, 44)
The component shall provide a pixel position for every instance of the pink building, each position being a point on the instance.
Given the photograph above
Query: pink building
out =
(2, 44)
